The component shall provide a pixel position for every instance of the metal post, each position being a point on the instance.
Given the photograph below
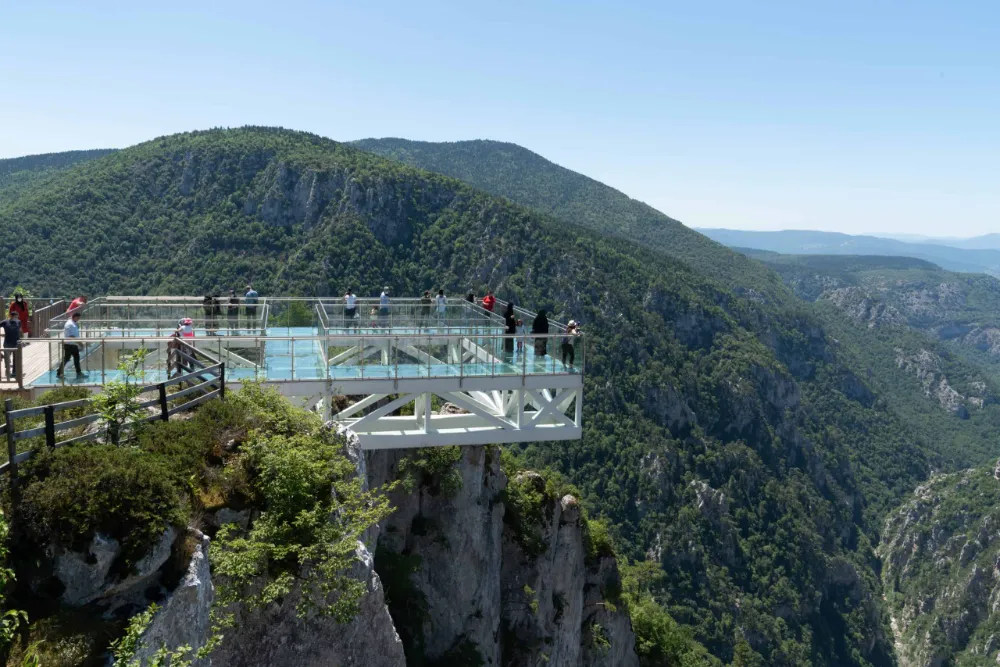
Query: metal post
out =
(164, 411)
(19, 363)
(50, 426)
(291, 349)
(222, 381)
(8, 407)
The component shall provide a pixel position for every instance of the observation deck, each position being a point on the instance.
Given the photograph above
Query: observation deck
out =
(419, 375)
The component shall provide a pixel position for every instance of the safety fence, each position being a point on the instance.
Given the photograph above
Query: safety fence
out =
(203, 383)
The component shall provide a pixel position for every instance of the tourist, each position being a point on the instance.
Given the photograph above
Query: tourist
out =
(442, 306)
(383, 307)
(208, 304)
(568, 340)
(217, 309)
(522, 333)
(489, 301)
(350, 309)
(469, 311)
(76, 304)
(510, 330)
(186, 328)
(250, 305)
(509, 310)
(71, 330)
(540, 327)
(11, 328)
(234, 313)
(425, 308)
(20, 306)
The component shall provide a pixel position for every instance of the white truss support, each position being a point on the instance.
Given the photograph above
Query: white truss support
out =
(344, 357)
(375, 415)
(493, 412)
(359, 406)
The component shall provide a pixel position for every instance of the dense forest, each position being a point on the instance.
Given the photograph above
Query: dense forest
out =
(729, 437)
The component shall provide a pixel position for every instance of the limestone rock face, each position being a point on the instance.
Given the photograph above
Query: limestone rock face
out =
(457, 541)
(184, 619)
(87, 576)
(941, 571)
(485, 592)
(277, 636)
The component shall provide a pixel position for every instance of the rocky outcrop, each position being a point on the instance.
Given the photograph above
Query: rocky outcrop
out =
(927, 368)
(864, 308)
(482, 594)
(941, 570)
(185, 618)
(87, 577)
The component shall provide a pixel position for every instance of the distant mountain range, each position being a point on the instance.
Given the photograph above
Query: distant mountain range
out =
(980, 254)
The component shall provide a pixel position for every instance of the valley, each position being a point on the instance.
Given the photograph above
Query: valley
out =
(757, 424)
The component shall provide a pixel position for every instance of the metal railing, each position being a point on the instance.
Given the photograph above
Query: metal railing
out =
(212, 387)
(341, 356)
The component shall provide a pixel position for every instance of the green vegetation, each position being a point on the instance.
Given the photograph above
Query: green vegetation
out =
(433, 468)
(253, 450)
(726, 431)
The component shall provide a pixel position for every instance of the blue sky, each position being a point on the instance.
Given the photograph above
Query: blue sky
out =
(859, 117)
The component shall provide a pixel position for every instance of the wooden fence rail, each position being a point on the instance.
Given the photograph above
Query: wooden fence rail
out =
(209, 381)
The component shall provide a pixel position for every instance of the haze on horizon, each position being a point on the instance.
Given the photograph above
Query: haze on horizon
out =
(852, 117)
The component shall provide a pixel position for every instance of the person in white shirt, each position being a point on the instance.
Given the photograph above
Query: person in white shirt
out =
(350, 309)
(71, 330)
(441, 302)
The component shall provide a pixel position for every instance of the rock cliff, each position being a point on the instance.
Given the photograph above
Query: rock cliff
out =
(941, 570)
(470, 581)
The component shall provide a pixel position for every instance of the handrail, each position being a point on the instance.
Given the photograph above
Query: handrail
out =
(51, 427)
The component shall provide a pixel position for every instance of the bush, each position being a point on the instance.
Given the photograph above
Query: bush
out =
(434, 468)
(74, 492)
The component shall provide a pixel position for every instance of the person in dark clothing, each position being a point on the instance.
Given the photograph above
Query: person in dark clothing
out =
(568, 349)
(540, 327)
(425, 308)
(217, 308)
(234, 313)
(510, 330)
(509, 310)
(11, 328)
(208, 304)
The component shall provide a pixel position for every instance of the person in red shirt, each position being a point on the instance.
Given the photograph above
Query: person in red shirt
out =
(20, 306)
(78, 302)
(489, 301)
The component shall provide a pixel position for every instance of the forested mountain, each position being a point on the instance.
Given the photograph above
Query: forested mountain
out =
(972, 258)
(526, 178)
(728, 435)
(18, 173)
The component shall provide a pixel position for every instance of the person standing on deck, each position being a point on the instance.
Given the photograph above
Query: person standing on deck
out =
(442, 306)
(425, 308)
(217, 310)
(470, 300)
(522, 333)
(383, 307)
(76, 304)
(209, 307)
(250, 302)
(489, 301)
(540, 327)
(510, 330)
(11, 328)
(350, 309)
(568, 340)
(20, 306)
(71, 330)
(186, 328)
(234, 313)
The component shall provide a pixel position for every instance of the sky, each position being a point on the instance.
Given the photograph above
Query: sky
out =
(848, 116)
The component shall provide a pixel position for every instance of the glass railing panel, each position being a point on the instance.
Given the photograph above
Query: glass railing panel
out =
(345, 356)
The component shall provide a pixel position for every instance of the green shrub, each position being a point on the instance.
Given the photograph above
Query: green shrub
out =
(74, 492)
(313, 512)
(434, 468)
